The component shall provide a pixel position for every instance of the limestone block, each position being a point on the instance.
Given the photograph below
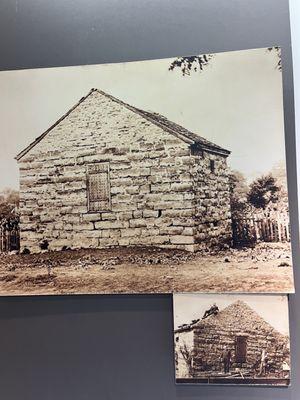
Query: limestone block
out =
(137, 223)
(83, 226)
(171, 230)
(68, 227)
(132, 189)
(131, 232)
(117, 190)
(188, 231)
(120, 165)
(148, 231)
(91, 217)
(107, 242)
(150, 213)
(121, 182)
(181, 239)
(110, 225)
(137, 214)
(93, 234)
(160, 239)
(47, 218)
(108, 216)
(162, 187)
(125, 216)
(172, 213)
(122, 198)
(182, 186)
(124, 241)
(123, 207)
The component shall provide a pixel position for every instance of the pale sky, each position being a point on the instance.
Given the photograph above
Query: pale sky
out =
(235, 102)
(272, 308)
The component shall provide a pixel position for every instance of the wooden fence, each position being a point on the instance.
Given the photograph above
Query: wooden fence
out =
(9, 235)
(248, 231)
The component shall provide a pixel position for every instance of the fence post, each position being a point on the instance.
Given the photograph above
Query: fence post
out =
(274, 228)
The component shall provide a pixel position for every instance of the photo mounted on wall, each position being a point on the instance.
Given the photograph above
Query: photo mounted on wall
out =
(231, 339)
(145, 177)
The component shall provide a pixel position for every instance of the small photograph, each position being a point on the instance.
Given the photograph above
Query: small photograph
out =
(145, 177)
(231, 339)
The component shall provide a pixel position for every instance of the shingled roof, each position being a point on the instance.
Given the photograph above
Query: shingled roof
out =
(155, 118)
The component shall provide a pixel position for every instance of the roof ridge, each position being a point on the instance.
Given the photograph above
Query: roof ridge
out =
(154, 117)
(165, 123)
(245, 306)
(40, 137)
(216, 318)
(144, 114)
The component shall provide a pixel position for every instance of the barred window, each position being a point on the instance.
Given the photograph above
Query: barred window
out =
(98, 187)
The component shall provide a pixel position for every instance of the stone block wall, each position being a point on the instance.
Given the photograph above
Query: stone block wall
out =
(212, 201)
(209, 343)
(160, 194)
(152, 202)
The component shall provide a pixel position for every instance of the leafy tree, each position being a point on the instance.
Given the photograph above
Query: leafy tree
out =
(263, 191)
(9, 203)
(278, 171)
(277, 50)
(190, 64)
(238, 195)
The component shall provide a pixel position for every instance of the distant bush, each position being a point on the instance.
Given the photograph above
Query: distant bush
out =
(263, 191)
(238, 195)
(9, 204)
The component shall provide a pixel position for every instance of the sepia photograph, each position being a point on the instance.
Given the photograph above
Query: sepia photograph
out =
(155, 176)
(231, 339)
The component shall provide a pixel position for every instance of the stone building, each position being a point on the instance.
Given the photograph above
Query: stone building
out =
(242, 331)
(109, 174)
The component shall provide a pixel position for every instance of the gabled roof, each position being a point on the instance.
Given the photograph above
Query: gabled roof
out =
(155, 118)
(237, 314)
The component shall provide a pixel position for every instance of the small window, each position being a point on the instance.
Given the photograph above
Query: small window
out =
(98, 187)
(212, 166)
(240, 349)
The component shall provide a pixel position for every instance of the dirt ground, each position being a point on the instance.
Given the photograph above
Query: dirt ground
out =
(266, 268)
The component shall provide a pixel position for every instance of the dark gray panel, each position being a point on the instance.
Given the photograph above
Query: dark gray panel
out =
(120, 347)
(73, 32)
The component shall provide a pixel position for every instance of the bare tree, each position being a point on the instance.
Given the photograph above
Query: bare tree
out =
(187, 355)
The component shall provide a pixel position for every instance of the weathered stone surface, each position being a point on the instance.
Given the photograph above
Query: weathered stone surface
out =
(150, 213)
(181, 239)
(155, 185)
(91, 217)
(207, 339)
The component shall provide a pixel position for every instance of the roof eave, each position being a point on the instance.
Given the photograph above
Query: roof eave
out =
(221, 152)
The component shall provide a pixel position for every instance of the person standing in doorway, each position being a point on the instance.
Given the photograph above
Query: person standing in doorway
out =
(226, 358)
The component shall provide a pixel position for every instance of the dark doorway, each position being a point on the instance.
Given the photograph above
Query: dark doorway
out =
(241, 349)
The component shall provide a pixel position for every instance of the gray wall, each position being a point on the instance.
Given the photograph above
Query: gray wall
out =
(120, 347)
